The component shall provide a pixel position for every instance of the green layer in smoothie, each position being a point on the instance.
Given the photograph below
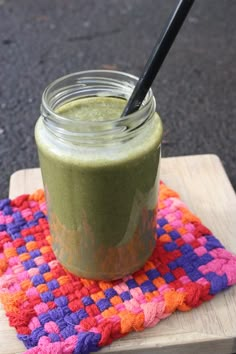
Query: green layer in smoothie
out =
(101, 200)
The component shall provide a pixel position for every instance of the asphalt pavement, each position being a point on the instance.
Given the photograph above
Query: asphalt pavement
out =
(195, 90)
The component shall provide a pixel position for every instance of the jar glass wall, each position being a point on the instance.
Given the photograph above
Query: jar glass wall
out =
(100, 176)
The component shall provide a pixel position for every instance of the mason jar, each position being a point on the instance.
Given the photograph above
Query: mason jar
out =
(100, 177)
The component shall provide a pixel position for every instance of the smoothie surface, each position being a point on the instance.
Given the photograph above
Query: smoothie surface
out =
(96, 108)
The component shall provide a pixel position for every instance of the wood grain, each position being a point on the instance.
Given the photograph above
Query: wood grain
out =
(205, 188)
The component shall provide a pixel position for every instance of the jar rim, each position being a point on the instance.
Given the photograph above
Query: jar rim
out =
(47, 109)
(92, 83)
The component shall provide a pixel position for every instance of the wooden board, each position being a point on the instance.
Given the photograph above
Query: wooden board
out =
(205, 188)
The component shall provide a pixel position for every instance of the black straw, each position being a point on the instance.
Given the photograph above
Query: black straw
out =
(157, 56)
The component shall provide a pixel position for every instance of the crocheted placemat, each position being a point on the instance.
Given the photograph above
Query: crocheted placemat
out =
(54, 311)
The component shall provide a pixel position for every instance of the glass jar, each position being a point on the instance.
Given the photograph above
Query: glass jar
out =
(100, 177)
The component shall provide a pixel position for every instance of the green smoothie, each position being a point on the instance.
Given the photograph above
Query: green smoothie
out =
(101, 198)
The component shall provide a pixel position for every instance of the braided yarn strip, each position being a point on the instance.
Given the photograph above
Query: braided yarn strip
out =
(54, 311)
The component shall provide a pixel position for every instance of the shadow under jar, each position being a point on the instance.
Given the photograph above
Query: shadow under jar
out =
(101, 176)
